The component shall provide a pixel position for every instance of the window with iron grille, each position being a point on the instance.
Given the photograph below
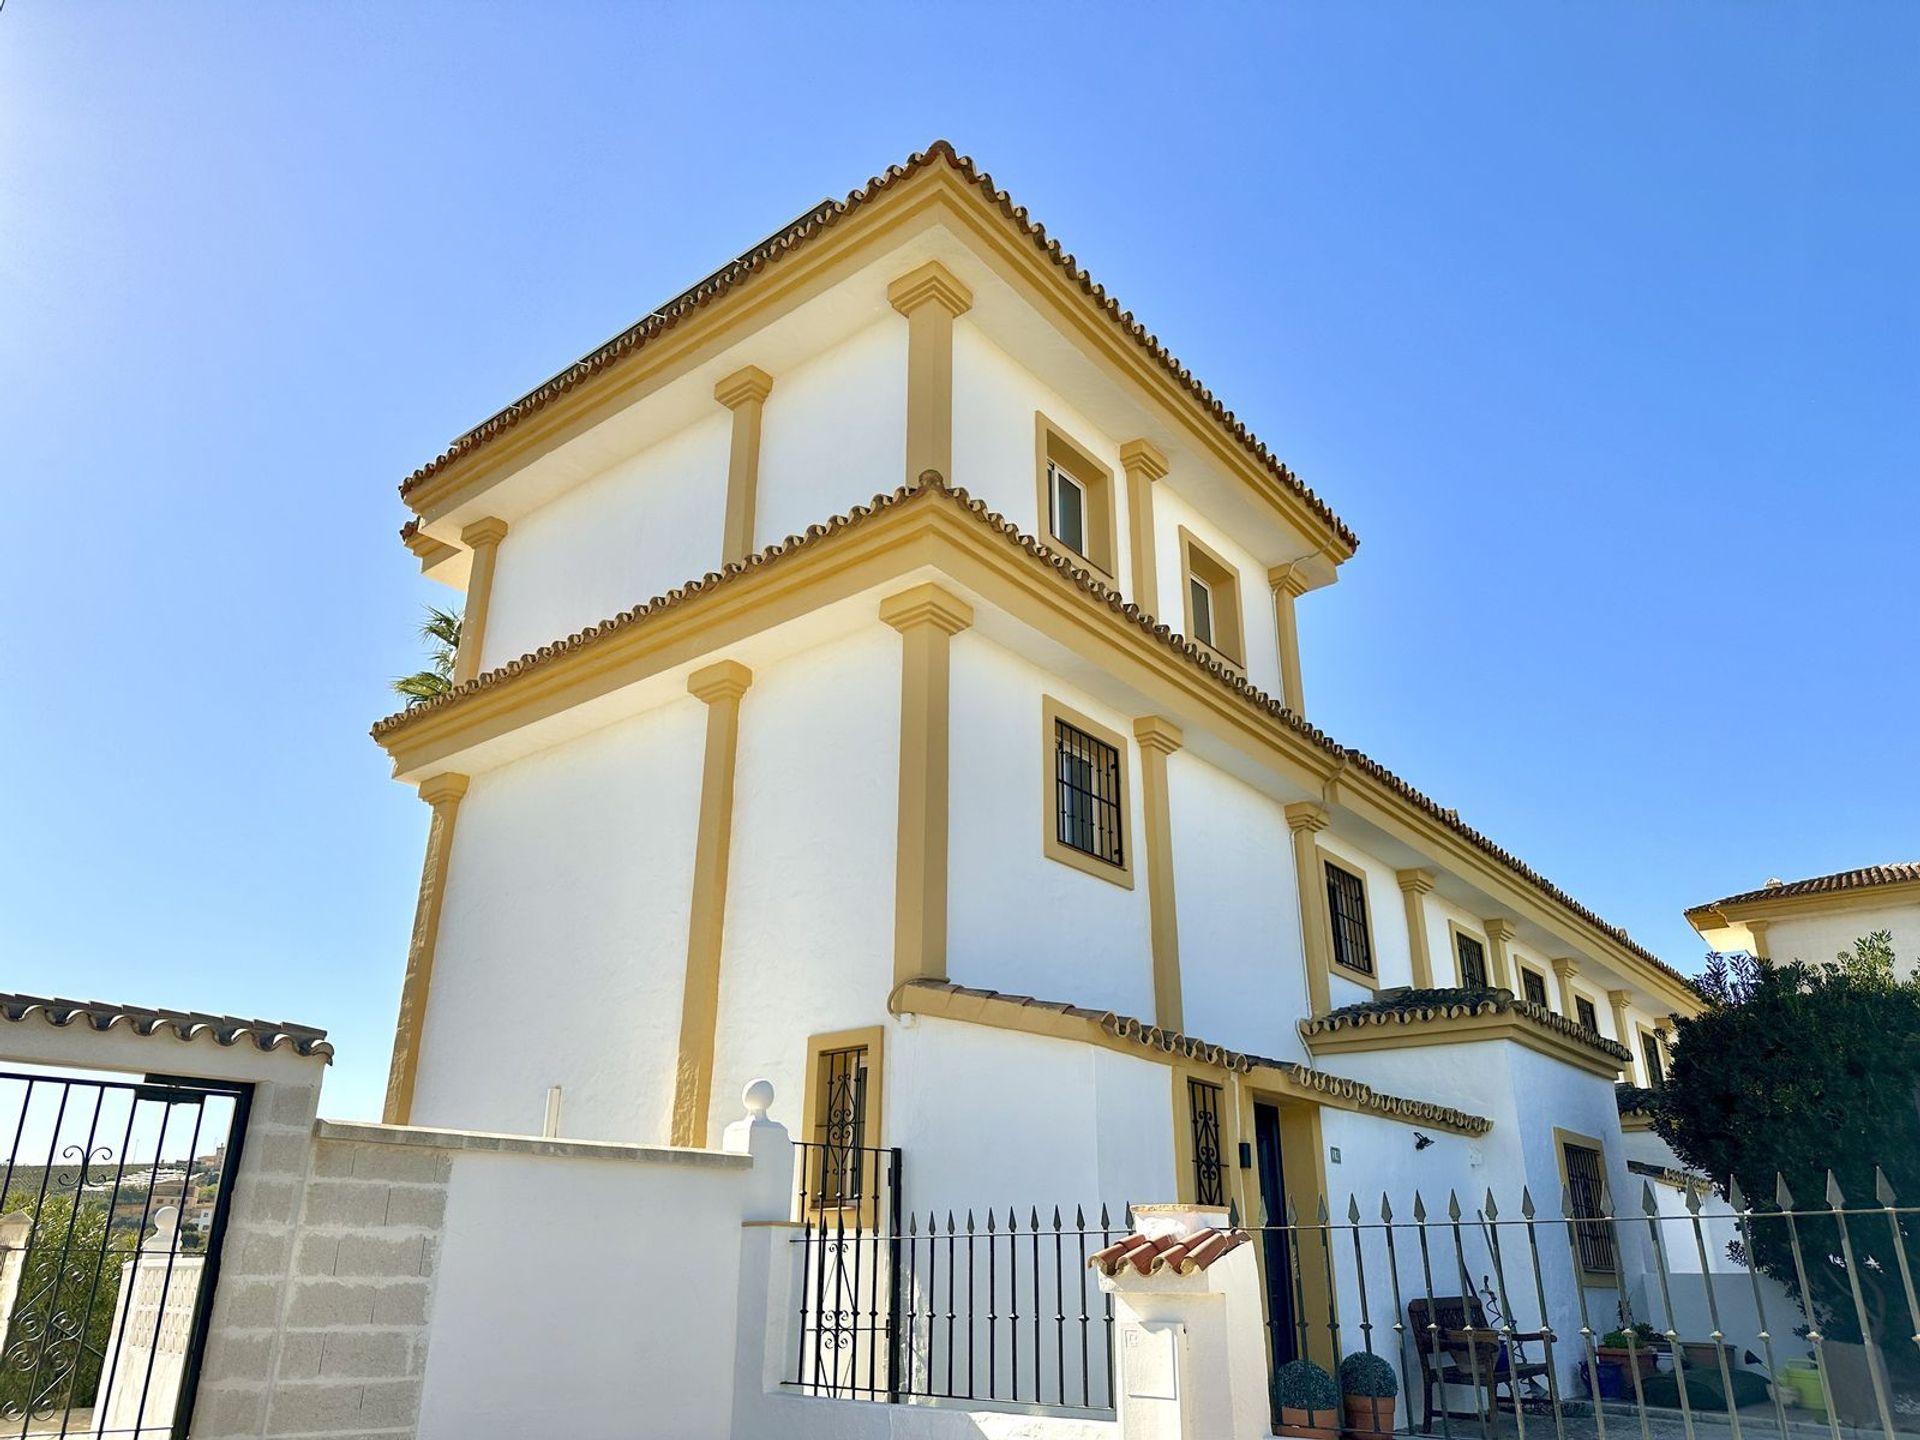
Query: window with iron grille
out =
(1656, 1062)
(1473, 962)
(1534, 985)
(1209, 1176)
(1585, 1188)
(1086, 774)
(1347, 909)
(840, 1125)
(1584, 1012)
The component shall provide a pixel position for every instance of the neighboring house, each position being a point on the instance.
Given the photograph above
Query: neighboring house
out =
(1815, 920)
(943, 781)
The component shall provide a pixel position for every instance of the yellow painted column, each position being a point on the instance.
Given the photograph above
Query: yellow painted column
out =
(1306, 819)
(443, 793)
(1618, 999)
(483, 537)
(744, 392)
(1144, 464)
(720, 685)
(1564, 969)
(927, 617)
(1415, 884)
(1288, 585)
(932, 298)
(1158, 739)
(1499, 934)
(1758, 929)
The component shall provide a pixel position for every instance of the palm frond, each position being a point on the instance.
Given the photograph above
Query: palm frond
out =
(422, 686)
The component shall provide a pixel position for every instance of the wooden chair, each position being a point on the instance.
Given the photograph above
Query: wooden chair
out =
(1464, 1350)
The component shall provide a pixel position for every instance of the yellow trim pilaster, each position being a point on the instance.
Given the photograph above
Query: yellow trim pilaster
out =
(720, 686)
(483, 537)
(1499, 962)
(1158, 739)
(932, 298)
(1144, 464)
(1564, 969)
(443, 792)
(927, 617)
(1758, 930)
(1622, 1031)
(1414, 886)
(744, 392)
(1288, 584)
(1306, 819)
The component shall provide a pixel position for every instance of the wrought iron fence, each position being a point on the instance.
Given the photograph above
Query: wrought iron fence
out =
(113, 1202)
(991, 1307)
(1501, 1320)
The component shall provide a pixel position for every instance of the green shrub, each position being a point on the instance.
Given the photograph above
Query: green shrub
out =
(1368, 1376)
(1303, 1385)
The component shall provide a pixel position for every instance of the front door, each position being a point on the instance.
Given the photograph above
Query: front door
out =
(1282, 1334)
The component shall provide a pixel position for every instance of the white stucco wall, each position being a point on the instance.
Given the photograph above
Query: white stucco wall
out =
(585, 1298)
(1017, 920)
(1818, 938)
(834, 432)
(808, 938)
(1242, 970)
(636, 530)
(563, 935)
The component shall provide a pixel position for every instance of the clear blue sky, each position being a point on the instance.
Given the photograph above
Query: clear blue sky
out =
(1598, 322)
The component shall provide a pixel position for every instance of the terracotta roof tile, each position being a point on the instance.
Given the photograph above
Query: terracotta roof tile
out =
(1148, 1255)
(1867, 877)
(825, 216)
(1413, 1007)
(181, 1024)
(933, 488)
(1187, 1047)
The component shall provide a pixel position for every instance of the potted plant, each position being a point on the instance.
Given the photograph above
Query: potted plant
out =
(1618, 1353)
(1307, 1401)
(1369, 1386)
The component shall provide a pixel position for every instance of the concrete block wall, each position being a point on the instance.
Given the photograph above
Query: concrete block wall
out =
(320, 1321)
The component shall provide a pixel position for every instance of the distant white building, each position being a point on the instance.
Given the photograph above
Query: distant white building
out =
(880, 673)
(1816, 919)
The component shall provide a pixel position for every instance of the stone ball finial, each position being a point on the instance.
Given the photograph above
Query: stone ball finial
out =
(758, 1098)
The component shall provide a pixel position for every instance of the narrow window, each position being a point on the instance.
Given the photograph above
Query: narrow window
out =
(1584, 1012)
(1069, 520)
(1347, 908)
(840, 1126)
(1209, 1181)
(1585, 1188)
(1534, 984)
(1202, 601)
(1656, 1064)
(1086, 773)
(1473, 962)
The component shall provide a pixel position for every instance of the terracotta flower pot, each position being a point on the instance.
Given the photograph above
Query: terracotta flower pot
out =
(1369, 1415)
(1619, 1355)
(1308, 1424)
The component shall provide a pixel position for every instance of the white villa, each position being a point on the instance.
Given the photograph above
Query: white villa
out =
(1818, 918)
(880, 673)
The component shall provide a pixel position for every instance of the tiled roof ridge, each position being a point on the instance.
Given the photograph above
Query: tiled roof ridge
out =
(1188, 1047)
(1092, 585)
(1412, 1006)
(1864, 877)
(1150, 1254)
(183, 1024)
(823, 216)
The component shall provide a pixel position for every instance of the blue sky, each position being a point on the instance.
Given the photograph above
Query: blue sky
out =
(1598, 322)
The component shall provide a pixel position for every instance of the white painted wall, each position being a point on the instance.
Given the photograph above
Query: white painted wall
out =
(1018, 921)
(1818, 938)
(834, 433)
(808, 940)
(1242, 968)
(636, 530)
(585, 1298)
(563, 935)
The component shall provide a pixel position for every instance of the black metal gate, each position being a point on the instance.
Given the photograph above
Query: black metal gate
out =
(850, 1289)
(113, 1202)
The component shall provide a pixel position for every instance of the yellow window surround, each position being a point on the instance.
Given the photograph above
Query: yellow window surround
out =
(1213, 610)
(1052, 714)
(1088, 494)
(1330, 861)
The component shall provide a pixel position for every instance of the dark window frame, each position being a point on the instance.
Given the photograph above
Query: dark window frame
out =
(1347, 917)
(1532, 981)
(1584, 1012)
(1209, 1165)
(1088, 794)
(1473, 973)
(1586, 1170)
